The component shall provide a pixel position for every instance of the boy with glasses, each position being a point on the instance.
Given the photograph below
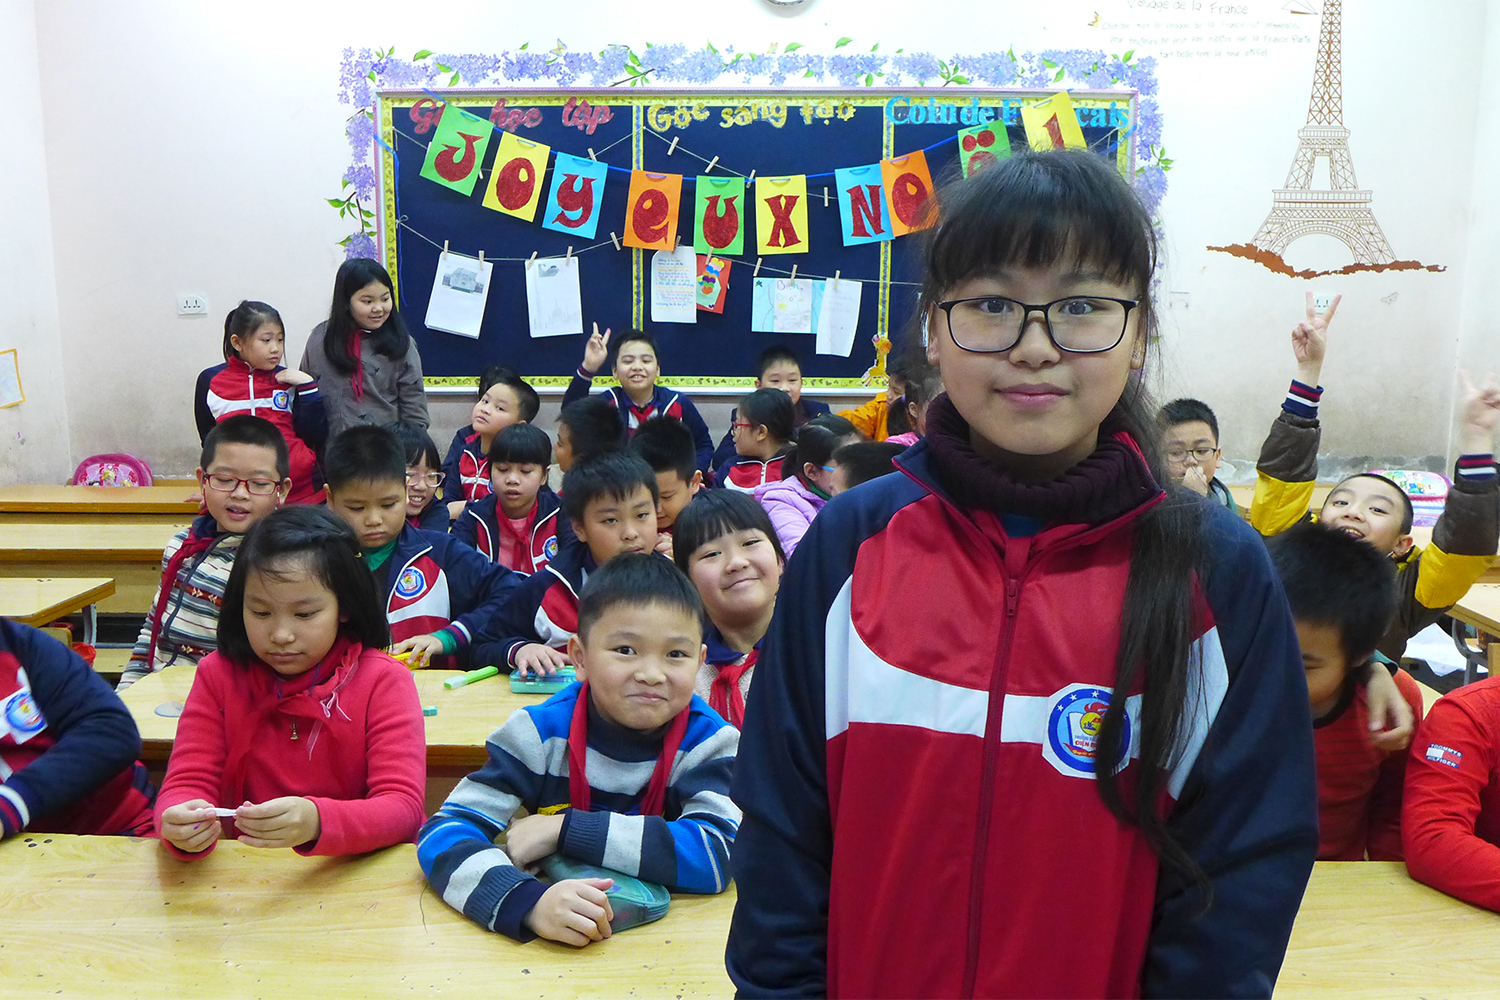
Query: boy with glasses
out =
(1190, 443)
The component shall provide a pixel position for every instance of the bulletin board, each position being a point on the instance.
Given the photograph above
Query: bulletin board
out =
(742, 133)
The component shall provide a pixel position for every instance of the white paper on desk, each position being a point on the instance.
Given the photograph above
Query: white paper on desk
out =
(460, 289)
(553, 302)
(839, 316)
(674, 285)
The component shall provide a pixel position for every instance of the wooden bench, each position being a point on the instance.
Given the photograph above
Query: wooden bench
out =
(128, 553)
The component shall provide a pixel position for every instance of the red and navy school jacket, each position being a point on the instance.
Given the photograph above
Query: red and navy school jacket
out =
(916, 770)
(745, 472)
(805, 410)
(434, 517)
(543, 608)
(479, 528)
(466, 469)
(438, 584)
(68, 746)
(234, 387)
(664, 403)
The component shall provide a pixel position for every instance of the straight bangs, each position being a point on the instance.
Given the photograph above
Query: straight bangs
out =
(715, 513)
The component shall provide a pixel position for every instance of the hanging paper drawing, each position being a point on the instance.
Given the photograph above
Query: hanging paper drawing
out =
(782, 305)
(577, 191)
(982, 145)
(863, 215)
(1052, 124)
(718, 219)
(516, 178)
(781, 214)
(713, 283)
(908, 188)
(651, 210)
(460, 289)
(674, 278)
(838, 316)
(456, 150)
(553, 304)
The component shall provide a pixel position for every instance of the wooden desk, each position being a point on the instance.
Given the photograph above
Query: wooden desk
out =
(455, 736)
(38, 602)
(112, 917)
(25, 500)
(129, 553)
(1366, 930)
(1480, 608)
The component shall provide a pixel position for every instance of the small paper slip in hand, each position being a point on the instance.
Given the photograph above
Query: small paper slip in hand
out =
(223, 813)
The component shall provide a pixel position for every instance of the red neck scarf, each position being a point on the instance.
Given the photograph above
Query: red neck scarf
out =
(520, 545)
(725, 696)
(357, 380)
(191, 546)
(578, 742)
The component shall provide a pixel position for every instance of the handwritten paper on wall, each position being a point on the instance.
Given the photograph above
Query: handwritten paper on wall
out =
(553, 303)
(10, 379)
(782, 305)
(674, 285)
(460, 289)
(838, 317)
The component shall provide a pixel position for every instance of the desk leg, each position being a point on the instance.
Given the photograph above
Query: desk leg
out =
(90, 623)
(1493, 662)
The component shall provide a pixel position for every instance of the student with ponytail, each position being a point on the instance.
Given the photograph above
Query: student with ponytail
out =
(793, 502)
(1034, 726)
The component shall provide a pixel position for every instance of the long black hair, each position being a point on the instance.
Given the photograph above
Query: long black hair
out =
(313, 539)
(1038, 210)
(391, 340)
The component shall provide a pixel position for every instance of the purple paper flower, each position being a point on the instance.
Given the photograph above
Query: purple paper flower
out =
(354, 81)
(473, 68)
(362, 176)
(611, 65)
(921, 66)
(524, 65)
(994, 69)
(360, 245)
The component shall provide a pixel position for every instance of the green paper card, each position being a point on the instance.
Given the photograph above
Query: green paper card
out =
(456, 150)
(982, 145)
(719, 215)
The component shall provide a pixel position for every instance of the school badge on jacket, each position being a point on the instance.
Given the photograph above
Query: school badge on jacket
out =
(23, 719)
(418, 603)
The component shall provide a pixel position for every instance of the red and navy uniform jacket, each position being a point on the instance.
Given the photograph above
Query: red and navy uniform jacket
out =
(746, 473)
(479, 528)
(544, 608)
(68, 746)
(435, 583)
(916, 774)
(806, 409)
(234, 387)
(466, 469)
(434, 517)
(664, 403)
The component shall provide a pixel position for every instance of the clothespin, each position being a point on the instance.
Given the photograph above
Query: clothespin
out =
(676, 242)
(532, 260)
(794, 272)
(756, 273)
(711, 165)
(570, 252)
(445, 251)
(673, 148)
(615, 240)
(591, 154)
(836, 277)
(481, 258)
(825, 197)
(752, 178)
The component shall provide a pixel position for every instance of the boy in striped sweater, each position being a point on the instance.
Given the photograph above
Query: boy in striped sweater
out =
(244, 473)
(626, 768)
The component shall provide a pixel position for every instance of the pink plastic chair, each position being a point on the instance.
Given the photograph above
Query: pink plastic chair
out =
(112, 470)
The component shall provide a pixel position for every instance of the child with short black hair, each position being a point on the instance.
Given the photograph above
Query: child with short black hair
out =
(637, 651)
(638, 398)
(793, 502)
(424, 477)
(300, 722)
(777, 368)
(69, 749)
(1342, 594)
(728, 548)
(516, 525)
(610, 502)
(587, 428)
(436, 591)
(505, 399)
(924, 383)
(243, 472)
(858, 463)
(763, 435)
(667, 446)
(1190, 441)
(252, 380)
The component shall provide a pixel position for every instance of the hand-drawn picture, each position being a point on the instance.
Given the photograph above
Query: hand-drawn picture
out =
(1343, 209)
(464, 280)
(459, 293)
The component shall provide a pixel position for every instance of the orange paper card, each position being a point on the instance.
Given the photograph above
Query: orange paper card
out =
(651, 210)
(908, 188)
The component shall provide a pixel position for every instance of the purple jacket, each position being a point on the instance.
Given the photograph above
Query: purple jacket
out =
(791, 507)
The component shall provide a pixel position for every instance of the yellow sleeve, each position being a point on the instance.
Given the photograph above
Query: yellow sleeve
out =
(1278, 505)
(1444, 578)
(869, 418)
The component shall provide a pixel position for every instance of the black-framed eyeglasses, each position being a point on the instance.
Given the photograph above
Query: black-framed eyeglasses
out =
(228, 484)
(433, 479)
(1197, 454)
(1078, 324)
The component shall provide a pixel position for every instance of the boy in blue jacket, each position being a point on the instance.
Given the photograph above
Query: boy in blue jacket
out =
(437, 590)
(610, 502)
(578, 765)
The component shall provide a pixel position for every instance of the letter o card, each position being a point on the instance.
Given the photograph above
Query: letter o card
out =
(781, 214)
(577, 192)
(651, 210)
(516, 178)
(982, 145)
(456, 150)
(719, 215)
(908, 189)
(1052, 124)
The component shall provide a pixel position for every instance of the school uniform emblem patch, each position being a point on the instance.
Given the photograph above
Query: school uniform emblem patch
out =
(22, 716)
(1447, 756)
(281, 399)
(412, 582)
(549, 549)
(1073, 727)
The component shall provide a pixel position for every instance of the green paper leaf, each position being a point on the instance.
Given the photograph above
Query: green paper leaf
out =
(335, 202)
(960, 79)
(1049, 64)
(1127, 56)
(792, 46)
(1060, 74)
(875, 47)
(441, 68)
(842, 42)
(421, 55)
(869, 80)
(899, 51)
(453, 80)
(524, 45)
(807, 73)
(371, 75)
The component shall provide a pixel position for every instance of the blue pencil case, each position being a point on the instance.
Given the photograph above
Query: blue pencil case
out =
(532, 684)
(634, 902)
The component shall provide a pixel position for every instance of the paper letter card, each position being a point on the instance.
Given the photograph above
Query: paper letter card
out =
(863, 214)
(908, 189)
(838, 317)
(781, 305)
(713, 283)
(982, 145)
(781, 214)
(459, 292)
(674, 284)
(577, 192)
(456, 150)
(553, 304)
(651, 210)
(719, 215)
(1052, 124)
(516, 178)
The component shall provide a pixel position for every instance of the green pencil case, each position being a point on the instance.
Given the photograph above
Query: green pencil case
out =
(532, 684)
(633, 901)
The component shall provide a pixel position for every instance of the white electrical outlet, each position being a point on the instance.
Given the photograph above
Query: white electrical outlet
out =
(1322, 302)
(192, 305)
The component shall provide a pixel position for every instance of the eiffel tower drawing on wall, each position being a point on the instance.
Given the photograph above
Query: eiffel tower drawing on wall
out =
(1342, 210)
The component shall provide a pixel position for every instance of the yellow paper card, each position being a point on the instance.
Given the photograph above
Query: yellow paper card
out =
(781, 214)
(1052, 124)
(515, 184)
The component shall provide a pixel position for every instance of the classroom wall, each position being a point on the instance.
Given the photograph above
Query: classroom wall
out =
(190, 147)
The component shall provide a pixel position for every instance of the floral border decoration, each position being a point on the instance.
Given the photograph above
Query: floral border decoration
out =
(365, 70)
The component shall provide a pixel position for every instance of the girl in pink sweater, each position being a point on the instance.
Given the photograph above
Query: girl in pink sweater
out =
(300, 731)
(793, 502)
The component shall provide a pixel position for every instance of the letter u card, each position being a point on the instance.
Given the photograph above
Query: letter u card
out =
(719, 215)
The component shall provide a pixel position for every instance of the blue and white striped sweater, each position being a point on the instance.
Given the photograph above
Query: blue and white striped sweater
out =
(686, 849)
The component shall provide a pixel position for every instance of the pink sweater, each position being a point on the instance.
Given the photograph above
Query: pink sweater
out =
(360, 753)
(791, 507)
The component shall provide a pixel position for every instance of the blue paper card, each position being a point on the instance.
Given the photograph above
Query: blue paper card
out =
(577, 192)
(864, 215)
